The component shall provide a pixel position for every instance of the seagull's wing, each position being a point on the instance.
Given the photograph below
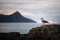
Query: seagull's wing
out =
(44, 21)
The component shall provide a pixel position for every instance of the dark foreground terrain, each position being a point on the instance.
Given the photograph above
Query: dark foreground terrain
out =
(45, 32)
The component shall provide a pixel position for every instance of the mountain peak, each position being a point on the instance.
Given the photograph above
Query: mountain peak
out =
(17, 13)
(15, 17)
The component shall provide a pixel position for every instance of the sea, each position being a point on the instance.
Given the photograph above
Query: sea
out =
(22, 28)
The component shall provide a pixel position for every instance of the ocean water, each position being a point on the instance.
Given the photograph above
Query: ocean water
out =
(22, 28)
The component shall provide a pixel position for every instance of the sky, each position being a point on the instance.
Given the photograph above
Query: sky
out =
(33, 9)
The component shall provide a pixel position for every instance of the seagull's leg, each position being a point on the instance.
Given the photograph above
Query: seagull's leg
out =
(43, 24)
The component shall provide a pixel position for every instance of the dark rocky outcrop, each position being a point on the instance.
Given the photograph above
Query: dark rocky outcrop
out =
(15, 17)
(45, 32)
(10, 36)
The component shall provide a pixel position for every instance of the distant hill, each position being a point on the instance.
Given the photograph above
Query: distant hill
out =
(15, 17)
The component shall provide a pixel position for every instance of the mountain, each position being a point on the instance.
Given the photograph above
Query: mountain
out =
(15, 17)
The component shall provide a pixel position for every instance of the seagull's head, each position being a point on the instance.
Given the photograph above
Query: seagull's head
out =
(41, 18)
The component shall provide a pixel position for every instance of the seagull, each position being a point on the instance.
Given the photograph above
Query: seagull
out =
(44, 21)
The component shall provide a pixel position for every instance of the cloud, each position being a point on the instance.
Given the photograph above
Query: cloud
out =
(54, 1)
(32, 4)
(53, 10)
(9, 12)
(25, 13)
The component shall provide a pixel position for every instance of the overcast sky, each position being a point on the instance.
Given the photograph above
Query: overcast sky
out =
(33, 9)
